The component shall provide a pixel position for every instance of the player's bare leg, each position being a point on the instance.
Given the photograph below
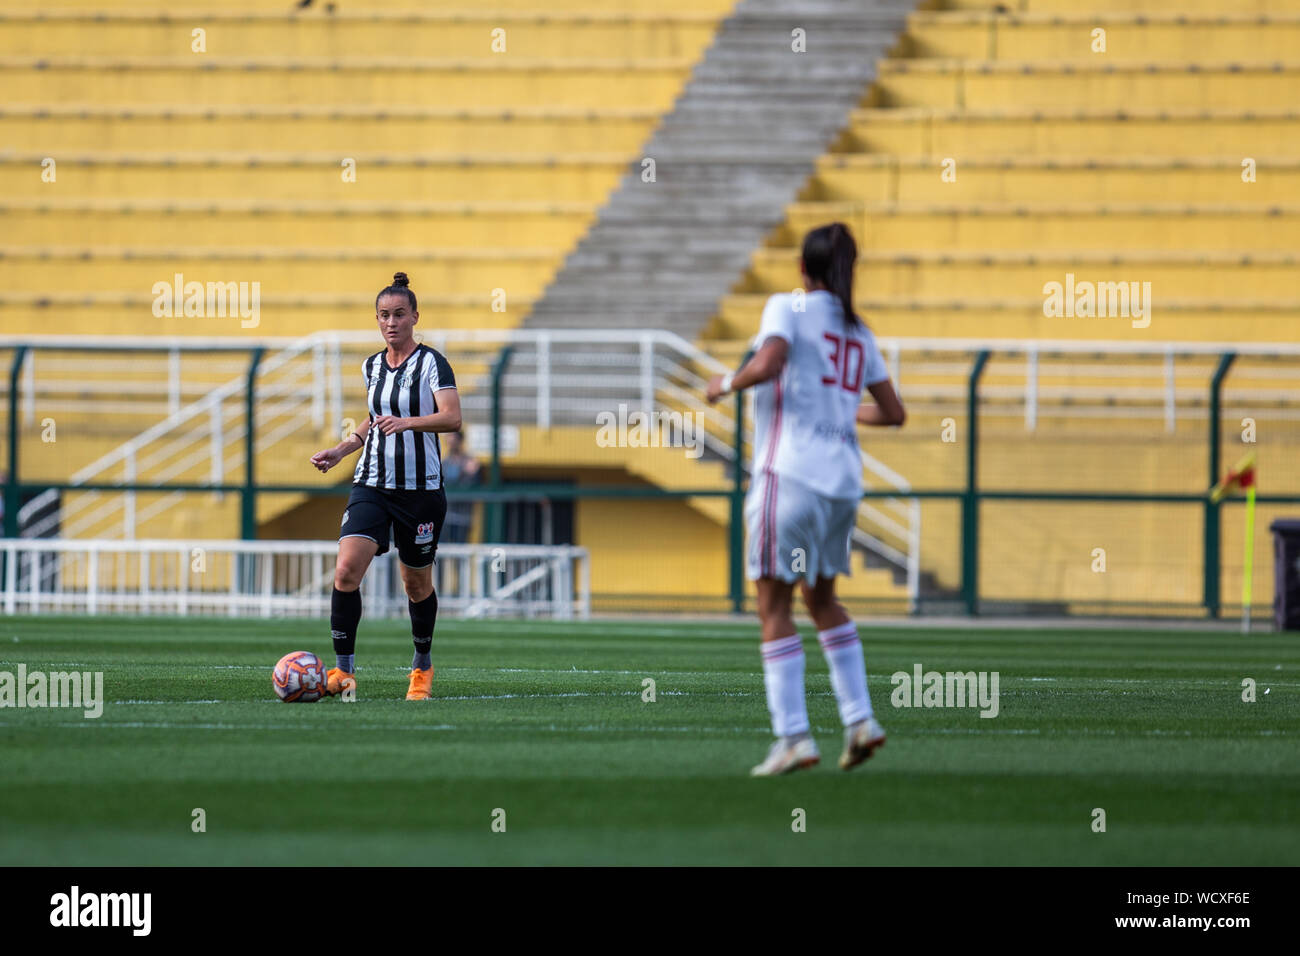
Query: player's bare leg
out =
(842, 647)
(423, 605)
(783, 665)
(355, 554)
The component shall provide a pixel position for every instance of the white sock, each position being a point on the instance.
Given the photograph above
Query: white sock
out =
(843, 652)
(783, 674)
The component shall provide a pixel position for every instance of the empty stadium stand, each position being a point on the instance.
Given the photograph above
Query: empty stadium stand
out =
(738, 143)
(477, 152)
(313, 151)
(1004, 146)
(651, 165)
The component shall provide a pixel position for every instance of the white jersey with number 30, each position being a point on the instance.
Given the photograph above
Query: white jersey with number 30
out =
(805, 417)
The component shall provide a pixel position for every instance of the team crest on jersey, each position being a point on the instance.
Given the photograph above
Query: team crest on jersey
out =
(407, 379)
(424, 533)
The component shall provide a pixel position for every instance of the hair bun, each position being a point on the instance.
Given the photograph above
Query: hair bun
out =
(400, 279)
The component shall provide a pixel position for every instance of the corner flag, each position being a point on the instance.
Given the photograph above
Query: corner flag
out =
(1242, 476)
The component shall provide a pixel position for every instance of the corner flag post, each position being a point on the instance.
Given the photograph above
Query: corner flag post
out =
(1249, 562)
(1242, 477)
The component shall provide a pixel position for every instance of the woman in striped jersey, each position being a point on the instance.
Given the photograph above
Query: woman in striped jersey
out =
(814, 358)
(411, 396)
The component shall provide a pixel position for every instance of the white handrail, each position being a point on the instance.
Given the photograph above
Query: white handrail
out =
(274, 578)
(651, 366)
(126, 452)
(1154, 347)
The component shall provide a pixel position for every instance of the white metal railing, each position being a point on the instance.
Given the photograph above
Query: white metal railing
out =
(1080, 379)
(163, 450)
(192, 395)
(554, 378)
(657, 370)
(280, 579)
(159, 386)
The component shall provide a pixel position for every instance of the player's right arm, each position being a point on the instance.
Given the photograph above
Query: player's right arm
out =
(764, 365)
(767, 361)
(326, 459)
(888, 409)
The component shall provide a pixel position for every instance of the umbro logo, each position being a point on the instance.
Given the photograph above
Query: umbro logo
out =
(345, 517)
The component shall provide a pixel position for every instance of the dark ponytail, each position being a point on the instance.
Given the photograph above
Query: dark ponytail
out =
(829, 254)
(401, 286)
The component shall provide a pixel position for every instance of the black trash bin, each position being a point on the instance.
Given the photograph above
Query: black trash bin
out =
(1286, 573)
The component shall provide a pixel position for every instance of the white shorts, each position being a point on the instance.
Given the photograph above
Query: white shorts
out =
(794, 532)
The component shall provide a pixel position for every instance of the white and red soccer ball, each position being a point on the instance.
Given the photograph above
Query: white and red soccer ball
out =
(299, 678)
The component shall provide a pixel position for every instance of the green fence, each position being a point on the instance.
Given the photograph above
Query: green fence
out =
(971, 498)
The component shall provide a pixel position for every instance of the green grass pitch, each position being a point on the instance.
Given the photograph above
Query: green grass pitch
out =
(546, 721)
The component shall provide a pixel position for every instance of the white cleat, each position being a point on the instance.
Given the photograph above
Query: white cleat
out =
(860, 742)
(787, 755)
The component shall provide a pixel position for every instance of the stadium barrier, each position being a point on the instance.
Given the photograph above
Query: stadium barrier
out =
(199, 439)
(513, 381)
(269, 579)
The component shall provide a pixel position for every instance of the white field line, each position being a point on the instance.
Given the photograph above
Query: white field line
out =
(876, 677)
(879, 677)
(626, 693)
(617, 693)
(171, 702)
(598, 728)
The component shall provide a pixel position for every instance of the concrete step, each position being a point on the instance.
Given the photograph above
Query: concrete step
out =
(737, 147)
(820, 8)
(600, 262)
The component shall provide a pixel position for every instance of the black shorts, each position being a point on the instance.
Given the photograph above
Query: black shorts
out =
(415, 516)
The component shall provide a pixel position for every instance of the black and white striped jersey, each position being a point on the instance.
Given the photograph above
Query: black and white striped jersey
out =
(411, 461)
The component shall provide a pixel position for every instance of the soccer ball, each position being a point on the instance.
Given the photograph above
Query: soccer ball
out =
(299, 678)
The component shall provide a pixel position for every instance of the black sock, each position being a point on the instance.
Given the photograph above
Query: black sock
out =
(423, 616)
(345, 615)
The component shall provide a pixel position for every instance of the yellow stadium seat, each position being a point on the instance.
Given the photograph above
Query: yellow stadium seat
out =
(1001, 150)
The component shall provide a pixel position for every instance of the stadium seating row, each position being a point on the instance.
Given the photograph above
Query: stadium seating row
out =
(1003, 148)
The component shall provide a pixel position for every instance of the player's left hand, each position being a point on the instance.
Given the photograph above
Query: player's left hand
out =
(714, 391)
(391, 424)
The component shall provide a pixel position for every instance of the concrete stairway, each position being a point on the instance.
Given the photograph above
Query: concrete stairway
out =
(739, 143)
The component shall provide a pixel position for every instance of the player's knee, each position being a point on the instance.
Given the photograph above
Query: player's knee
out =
(347, 578)
(418, 586)
(770, 605)
(418, 591)
(819, 602)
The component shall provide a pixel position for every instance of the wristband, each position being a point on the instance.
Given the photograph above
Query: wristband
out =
(726, 383)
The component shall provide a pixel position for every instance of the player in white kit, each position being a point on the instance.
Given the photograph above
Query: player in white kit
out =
(812, 359)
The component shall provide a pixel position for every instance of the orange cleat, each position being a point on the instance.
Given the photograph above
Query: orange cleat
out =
(337, 681)
(421, 685)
